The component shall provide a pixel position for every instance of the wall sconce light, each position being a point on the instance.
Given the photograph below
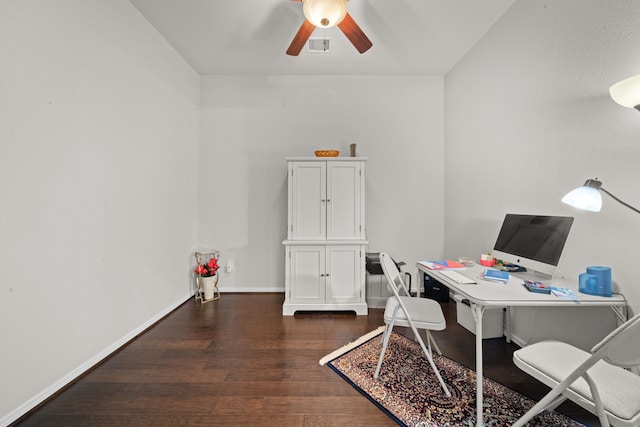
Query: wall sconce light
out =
(324, 13)
(588, 197)
(627, 92)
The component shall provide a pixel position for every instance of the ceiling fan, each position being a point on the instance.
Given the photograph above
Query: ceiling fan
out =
(325, 14)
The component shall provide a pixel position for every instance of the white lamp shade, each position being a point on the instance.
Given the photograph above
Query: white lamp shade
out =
(627, 92)
(324, 13)
(587, 198)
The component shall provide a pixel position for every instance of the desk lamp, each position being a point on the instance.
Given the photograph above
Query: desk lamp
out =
(588, 197)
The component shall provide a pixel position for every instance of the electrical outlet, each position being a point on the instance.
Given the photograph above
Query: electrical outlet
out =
(229, 266)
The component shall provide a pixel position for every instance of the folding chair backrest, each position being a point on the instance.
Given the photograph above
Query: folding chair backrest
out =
(394, 279)
(622, 346)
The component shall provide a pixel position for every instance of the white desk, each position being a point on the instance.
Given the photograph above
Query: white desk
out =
(513, 294)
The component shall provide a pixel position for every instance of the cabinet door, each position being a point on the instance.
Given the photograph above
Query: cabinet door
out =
(307, 200)
(344, 274)
(345, 201)
(307, 275)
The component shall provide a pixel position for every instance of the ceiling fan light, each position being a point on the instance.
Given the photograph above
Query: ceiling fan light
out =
(324, 13)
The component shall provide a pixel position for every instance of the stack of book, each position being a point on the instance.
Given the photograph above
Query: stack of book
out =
(496, 275)
(537, 287)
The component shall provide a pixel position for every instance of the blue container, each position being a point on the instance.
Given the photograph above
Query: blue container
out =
(603, 281)
(588, 284)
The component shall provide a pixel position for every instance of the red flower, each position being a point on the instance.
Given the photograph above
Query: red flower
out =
(208, 269)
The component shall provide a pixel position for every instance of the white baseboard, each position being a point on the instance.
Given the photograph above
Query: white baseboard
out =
(62, 382)
(243, 289)
(518, 341)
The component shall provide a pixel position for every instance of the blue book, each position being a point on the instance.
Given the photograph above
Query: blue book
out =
(496, 275)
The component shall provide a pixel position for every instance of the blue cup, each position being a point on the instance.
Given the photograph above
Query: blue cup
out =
(603, 279)
(588, 284)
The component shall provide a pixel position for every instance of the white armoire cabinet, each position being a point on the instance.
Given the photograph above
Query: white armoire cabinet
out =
(326, 240)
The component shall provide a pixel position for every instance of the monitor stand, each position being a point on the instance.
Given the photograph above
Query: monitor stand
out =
(513, 268)
(536, 276)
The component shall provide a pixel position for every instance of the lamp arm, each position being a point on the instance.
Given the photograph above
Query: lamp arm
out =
(620, 201)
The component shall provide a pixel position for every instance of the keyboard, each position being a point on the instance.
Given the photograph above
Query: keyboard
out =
(457, 277)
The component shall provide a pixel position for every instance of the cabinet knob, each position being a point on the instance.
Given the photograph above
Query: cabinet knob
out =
(323, 200)
(322, 275)
(328, 200)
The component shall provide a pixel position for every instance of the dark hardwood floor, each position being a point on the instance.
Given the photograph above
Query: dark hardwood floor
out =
(238, 361)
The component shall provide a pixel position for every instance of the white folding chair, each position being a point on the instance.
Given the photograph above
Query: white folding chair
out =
(599, 381)
(407, 311)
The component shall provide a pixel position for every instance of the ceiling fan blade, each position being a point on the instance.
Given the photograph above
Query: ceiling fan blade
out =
(300, 38)
(350, 29)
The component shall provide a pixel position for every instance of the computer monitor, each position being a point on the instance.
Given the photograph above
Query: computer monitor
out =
(534, 242)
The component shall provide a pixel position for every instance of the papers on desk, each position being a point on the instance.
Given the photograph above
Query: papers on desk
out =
(560, 292)
(446, 264)
(564, 293)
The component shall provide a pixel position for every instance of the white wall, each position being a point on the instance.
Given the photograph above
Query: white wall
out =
(101, 142)
(98, 156)
(528, 118)
(251, 123)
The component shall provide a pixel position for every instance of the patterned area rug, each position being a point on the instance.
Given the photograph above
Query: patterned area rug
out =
(408, 391)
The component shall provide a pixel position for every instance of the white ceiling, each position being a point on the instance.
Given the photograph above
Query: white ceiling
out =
(410, 37)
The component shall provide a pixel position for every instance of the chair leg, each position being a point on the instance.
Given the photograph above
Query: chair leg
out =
(435, 370)
(430, 341)
(549, 399)
(553, 405)
(433, 342)
(385, 342)
(430, 359)
(556, 396)
(602, 416)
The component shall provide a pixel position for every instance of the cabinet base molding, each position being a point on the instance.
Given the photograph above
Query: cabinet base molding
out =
(290, 309)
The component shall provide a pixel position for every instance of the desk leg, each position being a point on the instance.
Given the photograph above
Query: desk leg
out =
(507, 321)
(621, 314)
(478, 311)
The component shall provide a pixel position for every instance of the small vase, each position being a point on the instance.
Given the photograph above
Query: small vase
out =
(209, 285)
